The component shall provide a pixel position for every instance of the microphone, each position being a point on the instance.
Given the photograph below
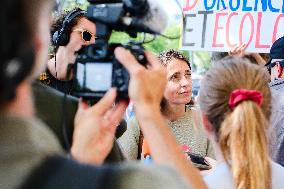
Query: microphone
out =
(148, 16)
(137, 8)
(121, 128)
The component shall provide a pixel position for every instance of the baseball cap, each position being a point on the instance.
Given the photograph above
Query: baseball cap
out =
(277, 50)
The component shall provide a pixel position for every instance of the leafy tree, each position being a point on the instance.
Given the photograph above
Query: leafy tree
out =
(202, 60)
(158, 45)
(70, 4)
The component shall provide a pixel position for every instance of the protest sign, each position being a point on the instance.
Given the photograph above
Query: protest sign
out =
(218, 25)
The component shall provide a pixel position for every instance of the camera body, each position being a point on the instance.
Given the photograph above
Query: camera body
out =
(95, 74)
(96, 69)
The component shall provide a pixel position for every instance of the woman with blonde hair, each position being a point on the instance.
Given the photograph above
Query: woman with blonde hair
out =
(235, 102)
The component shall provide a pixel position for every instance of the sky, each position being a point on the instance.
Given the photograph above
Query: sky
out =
(171, 7)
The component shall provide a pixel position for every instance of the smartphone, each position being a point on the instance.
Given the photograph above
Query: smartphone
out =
(199, 161)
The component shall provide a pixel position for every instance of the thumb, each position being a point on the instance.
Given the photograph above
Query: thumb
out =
(127, 60)
(82, 105)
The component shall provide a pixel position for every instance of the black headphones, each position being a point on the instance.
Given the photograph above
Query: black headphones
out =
(17, 55)
(61, 37)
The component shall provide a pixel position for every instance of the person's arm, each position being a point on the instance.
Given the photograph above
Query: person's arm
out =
(239, 50)
(260, 61)
(64, 56)
(146, 89)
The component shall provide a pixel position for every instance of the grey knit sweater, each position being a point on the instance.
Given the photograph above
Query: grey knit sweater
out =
(188, 131)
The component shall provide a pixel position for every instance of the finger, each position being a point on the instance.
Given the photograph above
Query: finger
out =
(127, 59)
(108, 115)
(105, 103)
(82, 106)
(117, 113)
(238, 50)
(110, 125)
(233, 50)
(242, 50)
(246, 46)
(243, 47)
(153, 60)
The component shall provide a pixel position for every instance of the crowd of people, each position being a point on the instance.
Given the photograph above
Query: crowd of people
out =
(51, 139)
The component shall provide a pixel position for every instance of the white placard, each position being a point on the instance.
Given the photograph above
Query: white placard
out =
(217, 25)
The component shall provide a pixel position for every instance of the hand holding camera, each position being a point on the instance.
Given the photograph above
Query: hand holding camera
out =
(95, 128)
(97, 124)
(96, 68)
(141, 90)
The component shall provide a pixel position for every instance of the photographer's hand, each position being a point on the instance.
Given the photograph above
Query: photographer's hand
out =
(95, 128)
(146, 89)
(141, 90)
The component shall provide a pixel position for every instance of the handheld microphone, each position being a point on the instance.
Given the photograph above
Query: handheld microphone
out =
(137, 8)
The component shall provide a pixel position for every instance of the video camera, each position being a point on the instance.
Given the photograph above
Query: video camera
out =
(96, 69)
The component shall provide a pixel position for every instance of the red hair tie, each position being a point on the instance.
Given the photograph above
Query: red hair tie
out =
(240, 95)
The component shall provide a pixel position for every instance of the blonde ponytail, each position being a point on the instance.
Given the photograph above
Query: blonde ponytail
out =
(240, 125)
(243, 143)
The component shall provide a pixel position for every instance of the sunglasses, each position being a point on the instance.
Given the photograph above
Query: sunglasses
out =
(86, 35)
(271, 65)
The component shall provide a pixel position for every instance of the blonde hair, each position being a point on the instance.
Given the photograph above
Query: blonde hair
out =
(241, 131)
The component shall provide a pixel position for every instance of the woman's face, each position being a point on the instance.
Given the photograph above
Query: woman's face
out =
(76, 40)
(179, 85)
(74, 45)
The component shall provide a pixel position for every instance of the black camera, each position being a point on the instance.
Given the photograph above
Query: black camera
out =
(94, 74)
(96, 69)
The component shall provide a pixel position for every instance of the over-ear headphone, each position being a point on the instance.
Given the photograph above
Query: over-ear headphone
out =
(61, 37)
(17, 55)
(14, 70)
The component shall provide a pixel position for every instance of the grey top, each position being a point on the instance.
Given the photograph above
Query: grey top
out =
(277, 121)
(188, 131)
(25, 143)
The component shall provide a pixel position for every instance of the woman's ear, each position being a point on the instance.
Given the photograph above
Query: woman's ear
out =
(279, 70)
(207, 126)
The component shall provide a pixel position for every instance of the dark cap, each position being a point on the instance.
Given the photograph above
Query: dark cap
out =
(277, 50)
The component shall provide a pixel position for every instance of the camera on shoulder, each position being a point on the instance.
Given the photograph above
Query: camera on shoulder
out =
(96, 69)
